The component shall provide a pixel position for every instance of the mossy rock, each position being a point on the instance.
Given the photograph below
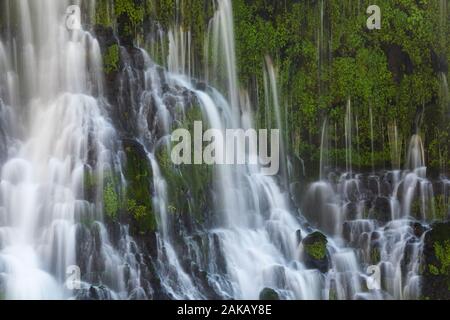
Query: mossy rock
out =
(268, 294)
(111, 204)
(130, 16)
(435, 267)
(111, 59)
(139, 194)
(190, 184)
(315, 252)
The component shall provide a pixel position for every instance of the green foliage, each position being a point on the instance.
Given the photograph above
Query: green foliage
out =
(317, 250)
(189, 184)
(110, 201)
(441, 207)
(139, 179)
(111, 59)
(325, 57)
(130, 8)
(103, 13)
(442, 252)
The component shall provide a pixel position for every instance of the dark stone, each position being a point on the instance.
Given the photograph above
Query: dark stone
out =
(299, 237)
(399, 62)
(418, 229)
(351, 210)
(347, 231)
(268, 294)
(439, 62)
(381, 210)
(202, 86)
(315, 254)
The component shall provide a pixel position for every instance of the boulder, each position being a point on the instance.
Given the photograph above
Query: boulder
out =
(268, 294)
(315, 254)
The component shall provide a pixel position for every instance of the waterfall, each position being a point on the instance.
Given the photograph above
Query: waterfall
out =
(65, 146)
(42, 184)
(324, 150)
(348, 124)
(272, 92)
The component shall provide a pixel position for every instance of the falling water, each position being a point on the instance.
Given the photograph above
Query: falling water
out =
(271, 75)
(42, 184)
(255, 239)
(348, 136)
(324, 149)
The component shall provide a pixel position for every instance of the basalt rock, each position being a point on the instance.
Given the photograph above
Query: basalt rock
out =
(268, 294)
(381, 210)
(139, 176)
(315, 254)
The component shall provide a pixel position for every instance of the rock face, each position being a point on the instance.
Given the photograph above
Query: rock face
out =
(381, 210)
(435, 267)
(315, 253)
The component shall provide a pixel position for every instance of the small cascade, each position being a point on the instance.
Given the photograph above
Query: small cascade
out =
(324, 156)
(348, 124)
(416, 155)
(372, 139)
(394, 146)
(274, 101)
(180, 55)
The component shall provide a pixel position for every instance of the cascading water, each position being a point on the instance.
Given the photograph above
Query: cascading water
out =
(65, 134)
(63, 167)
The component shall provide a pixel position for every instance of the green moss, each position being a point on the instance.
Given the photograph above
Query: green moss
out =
(317, 250)
(433, 270)
(375, 255)
(103, 13)
(130, 8)
(110, 201)
(268, 294)
(111, 59)
(190, 185)
(441, 207)
(138, 212)
(317, 75)
(139, 196)
(442, 252)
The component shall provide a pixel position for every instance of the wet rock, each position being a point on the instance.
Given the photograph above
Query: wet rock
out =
(418, 229)
(296, 190)
(202, 86)
(439, 62)
(381, 210)
(373, 184)
(268, 294)
(347, 231)
(351, 190)
(139, 175)
(315, 254)
(299, 237)
(375, 253)
(399, 62)
(435, 267)
(351, 211)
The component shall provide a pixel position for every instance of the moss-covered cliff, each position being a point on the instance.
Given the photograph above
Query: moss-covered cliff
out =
(325, 56)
